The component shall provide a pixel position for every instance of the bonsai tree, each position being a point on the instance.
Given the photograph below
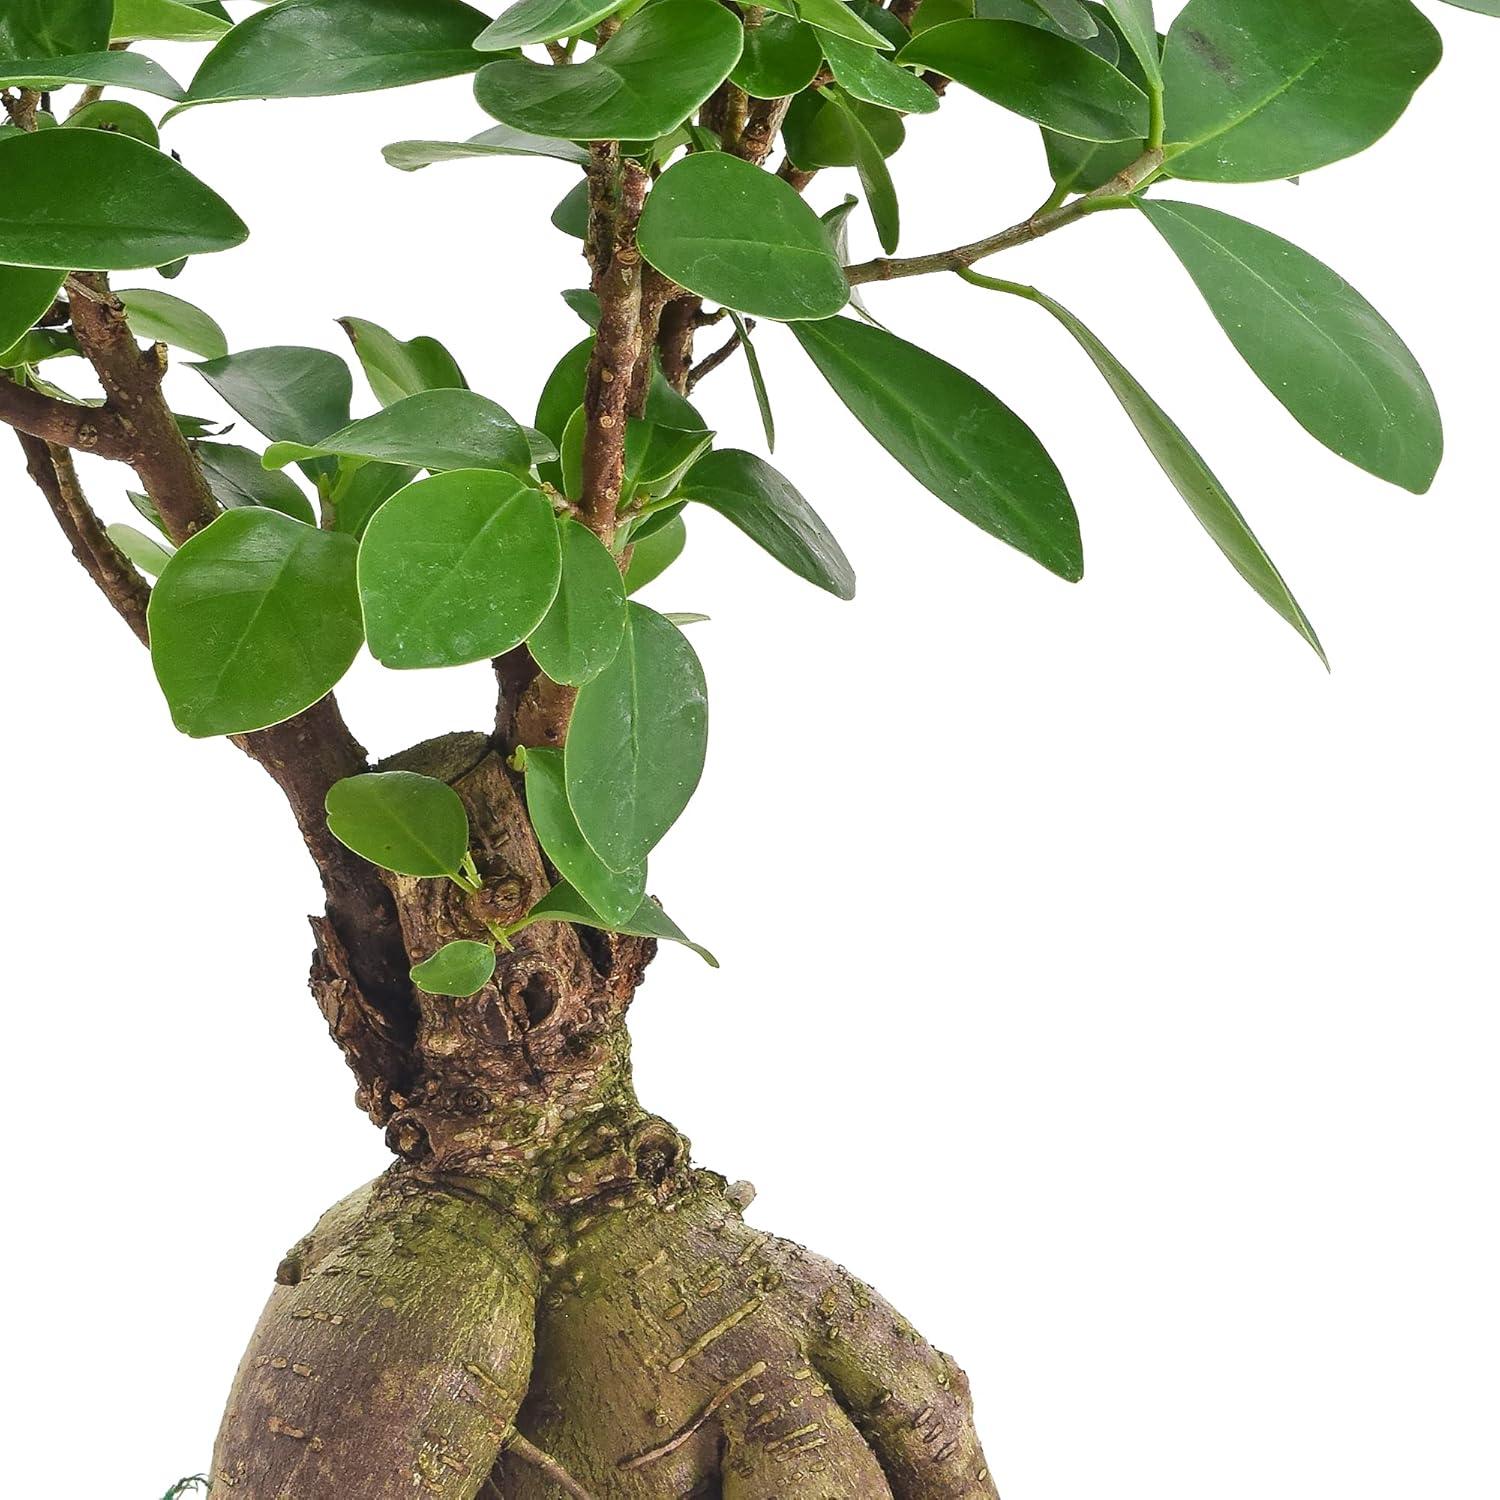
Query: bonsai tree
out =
(543, 1294)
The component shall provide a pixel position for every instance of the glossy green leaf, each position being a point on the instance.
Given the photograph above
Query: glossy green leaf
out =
(1070, 17)
(306, 48)
(237, 478)
(122, 70)
(1206, 497)
(836, 17)
(654, 552)
(162, 318)
(255, 618)
(89, 200)
(616, 895)
(118, 116)
(1258, 89)
(564, 904)
(766, 506)
(286, 393)
(1136, 21)
(1081, 166)
(873, 77)
(582, 631)
(1035, 73)
(874, 176)
(413, 825)
(952, 436)
(499, 140)
(571, 216)
(637, 741)
(438, 430)
(54, 28)
(459, 969)
(781, 57)
(836, 221)
(741, 237)
(361, 488)
(398, 368)
(657, 456)
(457, 568)
(585, 303)
(163, 21)
(25, 295)
(1483, 7)
(531, 21)
(817, 132)
(647, 79)
(38, 346)
(1321, 349)
(145, 552)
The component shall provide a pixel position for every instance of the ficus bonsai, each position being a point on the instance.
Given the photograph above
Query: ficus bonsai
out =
(543, 1295)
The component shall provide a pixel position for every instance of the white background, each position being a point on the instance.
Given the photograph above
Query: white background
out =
(1102, 980)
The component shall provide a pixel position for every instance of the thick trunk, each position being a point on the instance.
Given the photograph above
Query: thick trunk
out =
(543, 1296)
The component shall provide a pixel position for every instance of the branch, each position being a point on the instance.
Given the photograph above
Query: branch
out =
(90, 429)
(1114, 194)
(51, 468)
(132, 377)
(606, 401)
(707, 366)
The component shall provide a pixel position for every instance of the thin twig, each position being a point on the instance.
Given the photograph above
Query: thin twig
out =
(708, 365)
(1114, 194)
(531, 1454)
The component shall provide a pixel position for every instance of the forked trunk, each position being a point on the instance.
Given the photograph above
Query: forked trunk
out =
(543, 1296)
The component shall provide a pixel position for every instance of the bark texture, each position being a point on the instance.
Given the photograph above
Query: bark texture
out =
(543, 1296)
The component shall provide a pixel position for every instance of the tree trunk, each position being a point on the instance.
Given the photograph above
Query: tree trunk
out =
(543, 1296)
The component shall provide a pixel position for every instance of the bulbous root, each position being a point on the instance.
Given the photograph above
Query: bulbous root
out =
(424, 1341)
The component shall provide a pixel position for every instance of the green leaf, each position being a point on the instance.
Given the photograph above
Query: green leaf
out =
(564, 904)
(1081, 166)
(86, 200)
(873, 77)
(38, 346)
(1044, 77)
(532, 21)
(614, 895)
(286, 393)
(119, 117)
(255, 618)
(413, 825)
(582, 631)
(145, 552)
(657, 456)
(757, 379)
(162, 318)
(571, 216)
(874, 176)
(742, 237)
(1190, 475)
(25, 296)
(1483, 7)
(306, 48)
(654, 551)
(499, 140)
(781, 57)
(836, 221)
(123, 70)
(396, 368)
(766, 506)
(438, 430)
(817, 132)
(952, 436)
(836, 17)
(1257, 89)
(54, 28)
(457, 568)
(585, 303)
(1137, 24)
(637, 741)
(646, 80)
(1070, 17)
(163, 21)
(361, 488)
(459, 969)
(1321, 349)
(237, 478)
